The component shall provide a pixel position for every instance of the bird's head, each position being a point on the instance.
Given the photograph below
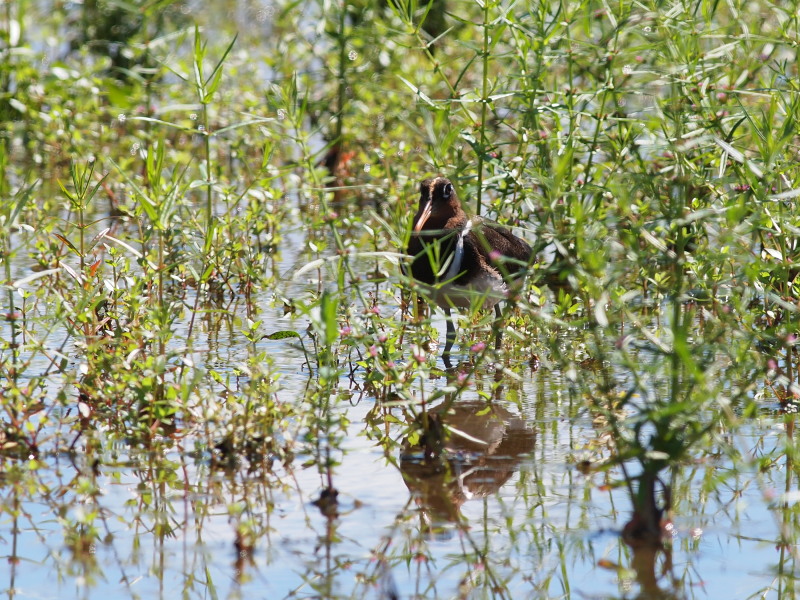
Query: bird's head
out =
(437, 203)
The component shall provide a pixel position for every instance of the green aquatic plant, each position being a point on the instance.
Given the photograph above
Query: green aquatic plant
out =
(206, 326)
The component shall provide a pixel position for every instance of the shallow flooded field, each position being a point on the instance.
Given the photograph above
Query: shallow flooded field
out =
(511, 517)
(219, 377)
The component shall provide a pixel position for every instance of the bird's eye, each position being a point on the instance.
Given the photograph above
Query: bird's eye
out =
(447, 191)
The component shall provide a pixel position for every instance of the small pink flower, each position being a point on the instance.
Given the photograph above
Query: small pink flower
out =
(390, 364)
(382, 337)
(479, 347)
(375, 310)
(373, 351)
(495, 255)
(772, 364)
(345, 331)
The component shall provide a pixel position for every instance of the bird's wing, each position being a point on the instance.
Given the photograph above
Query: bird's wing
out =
(492, 236)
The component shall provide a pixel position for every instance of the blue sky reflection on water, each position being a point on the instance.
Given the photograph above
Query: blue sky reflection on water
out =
(564, 525)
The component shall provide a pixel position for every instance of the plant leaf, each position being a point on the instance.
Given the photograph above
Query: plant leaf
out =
(68, 243)
(282, 335)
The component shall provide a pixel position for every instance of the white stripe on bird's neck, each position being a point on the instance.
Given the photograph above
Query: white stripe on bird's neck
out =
(458, 253)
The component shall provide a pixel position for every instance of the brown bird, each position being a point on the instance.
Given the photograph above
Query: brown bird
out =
(462, 260)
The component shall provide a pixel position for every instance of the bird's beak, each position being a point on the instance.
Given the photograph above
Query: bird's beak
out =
(426, 213)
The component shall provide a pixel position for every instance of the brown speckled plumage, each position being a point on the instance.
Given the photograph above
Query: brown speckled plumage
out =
(443, 233)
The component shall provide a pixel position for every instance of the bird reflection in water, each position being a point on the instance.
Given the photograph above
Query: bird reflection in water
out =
(464, 451)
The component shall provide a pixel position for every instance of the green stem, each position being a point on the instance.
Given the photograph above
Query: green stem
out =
(679, 328)
(209, 194)
(11, 308)
(484, 104)
(342, 90)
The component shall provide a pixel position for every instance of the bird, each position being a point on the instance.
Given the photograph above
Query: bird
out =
(462, 260)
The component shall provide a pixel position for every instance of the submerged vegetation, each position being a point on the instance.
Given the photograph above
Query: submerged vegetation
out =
(206, 326)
